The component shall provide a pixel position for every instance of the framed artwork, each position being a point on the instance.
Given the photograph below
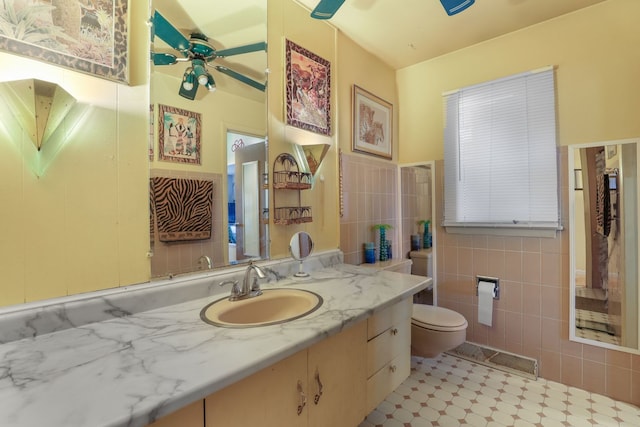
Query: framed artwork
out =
(308, 90)
(178, 135)
(372, 121)
(86, 36)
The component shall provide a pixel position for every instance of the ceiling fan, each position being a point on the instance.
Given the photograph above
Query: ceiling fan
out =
(327, 8)
(199, 53)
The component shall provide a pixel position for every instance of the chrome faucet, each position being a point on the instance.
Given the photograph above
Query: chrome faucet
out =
(249, 289)
(204, 260)
(252, 289)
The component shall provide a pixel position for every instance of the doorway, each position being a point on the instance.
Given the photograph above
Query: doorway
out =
(246, 197)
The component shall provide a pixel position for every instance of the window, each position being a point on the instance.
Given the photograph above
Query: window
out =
(500, 153)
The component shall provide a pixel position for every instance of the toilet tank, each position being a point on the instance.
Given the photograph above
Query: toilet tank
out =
(397, 265)
(422, 264)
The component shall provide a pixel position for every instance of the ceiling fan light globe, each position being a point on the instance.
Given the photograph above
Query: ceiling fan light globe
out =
(203, 79)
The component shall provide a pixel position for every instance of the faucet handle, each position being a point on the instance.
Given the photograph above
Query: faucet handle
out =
(235, 289)
(228, 282)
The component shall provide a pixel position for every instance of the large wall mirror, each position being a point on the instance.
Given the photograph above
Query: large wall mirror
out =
(604, 244)
(227, 100)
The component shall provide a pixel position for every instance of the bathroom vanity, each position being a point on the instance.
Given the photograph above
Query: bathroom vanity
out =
(100, 362)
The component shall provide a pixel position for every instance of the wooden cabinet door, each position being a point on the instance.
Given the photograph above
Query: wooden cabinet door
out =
(190, 416)
(268, 398)
(338, 365)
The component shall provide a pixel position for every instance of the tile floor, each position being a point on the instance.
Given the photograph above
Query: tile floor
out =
(448, 391)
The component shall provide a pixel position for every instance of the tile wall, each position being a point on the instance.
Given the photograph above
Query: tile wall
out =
(182, 257)
(532, 315)
(369, 198)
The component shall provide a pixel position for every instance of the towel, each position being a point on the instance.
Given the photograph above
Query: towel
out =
(182, 208)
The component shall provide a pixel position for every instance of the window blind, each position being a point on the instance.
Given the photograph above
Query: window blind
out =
(500, 153)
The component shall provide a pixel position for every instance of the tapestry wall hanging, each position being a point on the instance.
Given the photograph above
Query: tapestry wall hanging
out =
(308, 90)
(86, 36)
(178, 135)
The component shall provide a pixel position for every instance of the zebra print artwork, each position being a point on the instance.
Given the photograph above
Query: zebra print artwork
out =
(182, 208)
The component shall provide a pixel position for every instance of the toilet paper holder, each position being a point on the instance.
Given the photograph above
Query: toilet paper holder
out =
(494, 280)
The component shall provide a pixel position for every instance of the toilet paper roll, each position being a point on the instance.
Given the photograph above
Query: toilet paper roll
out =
(485, 302)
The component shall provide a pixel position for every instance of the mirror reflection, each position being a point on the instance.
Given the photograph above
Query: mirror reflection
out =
(604, 292)
(229, 107)
(301, 246)
(247, 193)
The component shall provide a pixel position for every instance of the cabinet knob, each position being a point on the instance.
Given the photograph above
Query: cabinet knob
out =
(303, 398)
(392, 368)
(318, 395)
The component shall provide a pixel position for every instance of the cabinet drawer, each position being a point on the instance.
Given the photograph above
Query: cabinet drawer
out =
(387, 379)
(389, 316)
(388, 345)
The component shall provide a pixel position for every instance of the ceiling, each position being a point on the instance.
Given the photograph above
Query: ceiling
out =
(400, 32)
(405, 32)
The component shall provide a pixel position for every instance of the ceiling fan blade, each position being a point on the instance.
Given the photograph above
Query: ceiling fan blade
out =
(456, 6)
(255, 47)
(244, 79)
(168, 33)
(163, 58)
(326, 9)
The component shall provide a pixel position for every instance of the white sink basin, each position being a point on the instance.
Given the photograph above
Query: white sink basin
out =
(272, 307)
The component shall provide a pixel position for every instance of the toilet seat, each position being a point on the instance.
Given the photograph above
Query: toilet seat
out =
(437, 318)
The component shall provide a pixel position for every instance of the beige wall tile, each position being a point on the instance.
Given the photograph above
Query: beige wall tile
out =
(594, 354)
(571, 371)
(531, 299)
(511, 294)
(550, 365)
(531, 331)
(635, 362)
(551, 269)
(619, 359)
(618, 383)
(551, 302)
(594, 377)
(465, 261)
(513, 266)
(635, 388)
(551, 335)
(531, 266)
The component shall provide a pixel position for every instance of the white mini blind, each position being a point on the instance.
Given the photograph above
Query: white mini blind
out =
(500, 153)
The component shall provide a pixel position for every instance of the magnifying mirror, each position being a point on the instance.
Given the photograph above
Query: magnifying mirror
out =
(301, 247)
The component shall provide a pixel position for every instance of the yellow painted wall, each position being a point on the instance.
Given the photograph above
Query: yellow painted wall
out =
(361, 68)
(350, 64)
(597, 57)
(82, 224)
(288, 20)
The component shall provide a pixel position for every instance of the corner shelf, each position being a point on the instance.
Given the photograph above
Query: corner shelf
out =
(287, 176)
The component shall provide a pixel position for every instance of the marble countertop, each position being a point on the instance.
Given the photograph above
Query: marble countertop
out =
(133, 369)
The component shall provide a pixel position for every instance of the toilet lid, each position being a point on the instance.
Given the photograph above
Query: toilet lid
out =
(437, 318)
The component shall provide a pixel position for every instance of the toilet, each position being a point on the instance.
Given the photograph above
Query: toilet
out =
(435, 330)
